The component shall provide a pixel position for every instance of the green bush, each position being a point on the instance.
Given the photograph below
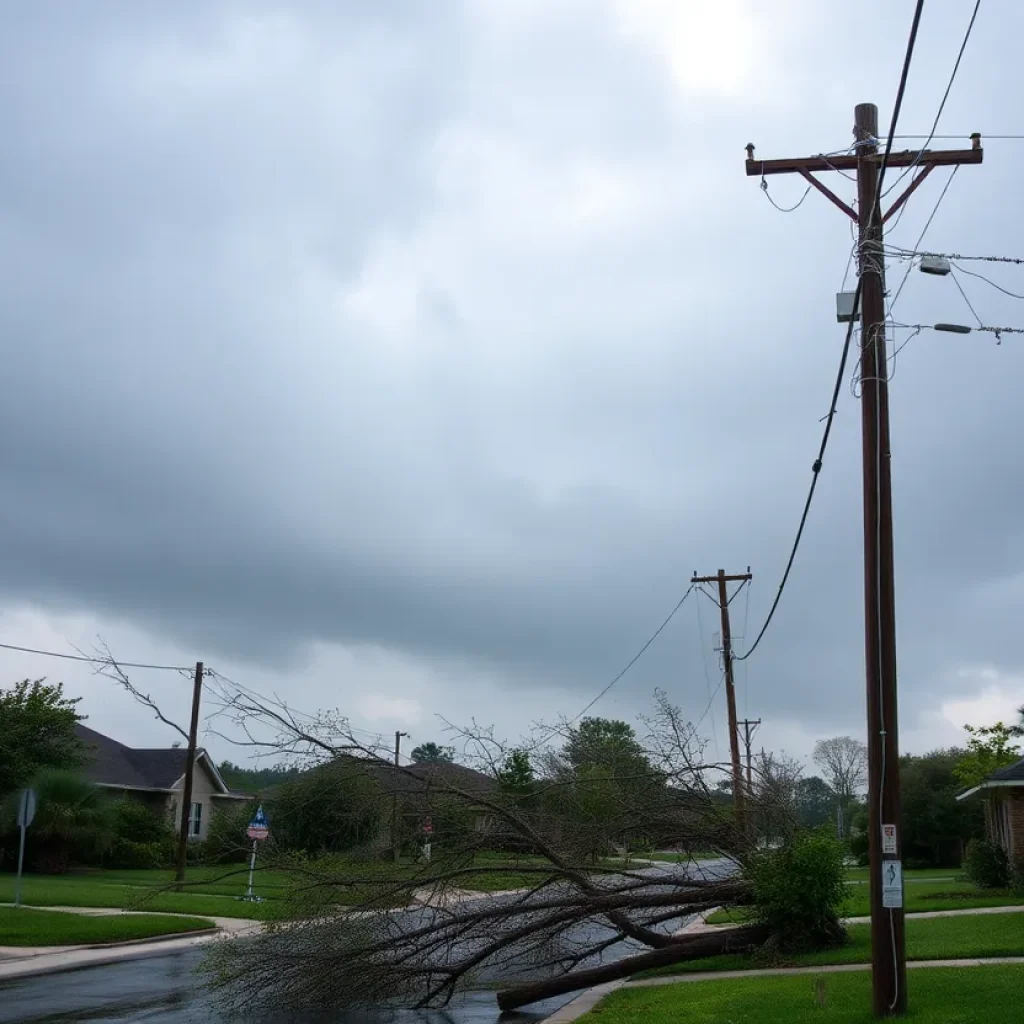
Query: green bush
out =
(226, 841)
(987, 865)
(137, 823)
(125, 853)
(799, 890)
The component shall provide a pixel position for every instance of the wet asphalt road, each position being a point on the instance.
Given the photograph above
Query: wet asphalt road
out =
(166, 990)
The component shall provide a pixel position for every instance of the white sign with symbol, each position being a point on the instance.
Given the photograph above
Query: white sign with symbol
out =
(888, 839)
(892, 884)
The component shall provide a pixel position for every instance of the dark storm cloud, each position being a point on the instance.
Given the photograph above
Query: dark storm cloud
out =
(386, 325)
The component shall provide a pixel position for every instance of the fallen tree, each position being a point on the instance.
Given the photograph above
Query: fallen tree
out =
(554, 823)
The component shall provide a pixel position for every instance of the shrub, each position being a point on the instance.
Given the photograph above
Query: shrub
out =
(226, 841)
(124, 853)
(799, 889)
(137, 823)
(987, 865)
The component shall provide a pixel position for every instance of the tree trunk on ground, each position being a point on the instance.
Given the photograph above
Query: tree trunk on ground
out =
(730, 940)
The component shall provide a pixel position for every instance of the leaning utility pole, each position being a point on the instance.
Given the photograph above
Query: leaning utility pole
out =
(396, 846)
(749, 727)
(186, 787)
(730, 690)
(888, 946)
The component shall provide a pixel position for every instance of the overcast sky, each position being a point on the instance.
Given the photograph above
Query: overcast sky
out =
(407, 358)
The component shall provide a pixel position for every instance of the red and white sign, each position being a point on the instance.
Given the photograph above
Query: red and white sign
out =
(428, 827)
(888, 839)
(256, 832)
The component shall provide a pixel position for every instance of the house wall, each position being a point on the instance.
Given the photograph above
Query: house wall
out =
(1016, 809)
(203, 788)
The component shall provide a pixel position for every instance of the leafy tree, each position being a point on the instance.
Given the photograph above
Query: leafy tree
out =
(844, 763)
(516, 775)
(37, 731)
(332, 808)
(606, 743)
(815, 801)
(989, 748)
(255, 780)
(432, 753)
(936, 826)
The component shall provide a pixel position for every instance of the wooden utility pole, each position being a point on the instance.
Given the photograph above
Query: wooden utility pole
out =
(396, 846)
(749, 727)
(730, 690)
(888, 946)
(190, 762)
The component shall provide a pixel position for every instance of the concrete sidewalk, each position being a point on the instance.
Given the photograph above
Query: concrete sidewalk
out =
(27, 961)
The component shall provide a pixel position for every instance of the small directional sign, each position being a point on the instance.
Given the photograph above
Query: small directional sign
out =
(26, 807)
(258, 828)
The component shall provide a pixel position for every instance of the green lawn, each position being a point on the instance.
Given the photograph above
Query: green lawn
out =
(936, 938)
(23, 927)
(909, 875)
(969, 995)
(920, 896)
(214, 890)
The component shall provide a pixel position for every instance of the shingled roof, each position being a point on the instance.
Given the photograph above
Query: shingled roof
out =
(1010, 776)
(114, 764)
(1013, 773)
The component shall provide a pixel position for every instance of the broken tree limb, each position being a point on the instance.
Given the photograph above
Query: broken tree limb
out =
(730, 940)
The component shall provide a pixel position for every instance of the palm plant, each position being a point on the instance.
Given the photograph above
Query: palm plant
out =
(74, 819)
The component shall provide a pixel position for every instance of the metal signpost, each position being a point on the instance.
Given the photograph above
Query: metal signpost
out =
(258, 830)
(26, 812)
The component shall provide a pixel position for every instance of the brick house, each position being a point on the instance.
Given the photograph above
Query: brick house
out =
(156, 777)
(1003, 793)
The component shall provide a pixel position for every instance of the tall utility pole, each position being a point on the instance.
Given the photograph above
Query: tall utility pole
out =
(395, 844)
(730, 690)
(888, 946)
(749, 727)
(190, 762)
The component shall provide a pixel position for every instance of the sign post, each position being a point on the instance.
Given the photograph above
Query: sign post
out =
(26, 812)
(257, 831)
(428, 831)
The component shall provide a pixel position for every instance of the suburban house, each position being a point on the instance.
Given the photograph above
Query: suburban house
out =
(156, 777)
(1003, 792)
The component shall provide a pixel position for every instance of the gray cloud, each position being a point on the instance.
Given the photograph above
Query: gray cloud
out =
(465, 338)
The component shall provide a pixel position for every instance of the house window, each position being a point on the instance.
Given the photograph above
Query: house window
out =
(195, 820)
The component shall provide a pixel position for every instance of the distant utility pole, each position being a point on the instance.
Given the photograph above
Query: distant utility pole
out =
(749, 728)
(190, 762)
(395, 844)
(730, 691)
(888, 946)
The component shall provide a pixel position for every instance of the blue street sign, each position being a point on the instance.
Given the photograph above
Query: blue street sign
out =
(260, 819)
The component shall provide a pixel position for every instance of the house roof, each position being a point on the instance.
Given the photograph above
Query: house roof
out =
(155, 768)
(1006, 778)
(419, 778)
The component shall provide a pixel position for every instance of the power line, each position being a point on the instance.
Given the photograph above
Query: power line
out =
(97, 661)
(815, 471)
(924, 231)
(636, 657)
(960, 288)
(981, 277)
(816, 467)
(900, 253)
(965, 135)
(949, 86)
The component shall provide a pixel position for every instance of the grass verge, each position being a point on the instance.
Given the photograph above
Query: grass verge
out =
(25, 927)
(936, 938)
(918, 898)
(969, 995)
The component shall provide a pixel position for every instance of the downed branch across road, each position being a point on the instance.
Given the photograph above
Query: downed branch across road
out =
(583, 917)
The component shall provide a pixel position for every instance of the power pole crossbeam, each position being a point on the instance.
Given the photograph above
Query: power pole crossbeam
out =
(888, 947)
